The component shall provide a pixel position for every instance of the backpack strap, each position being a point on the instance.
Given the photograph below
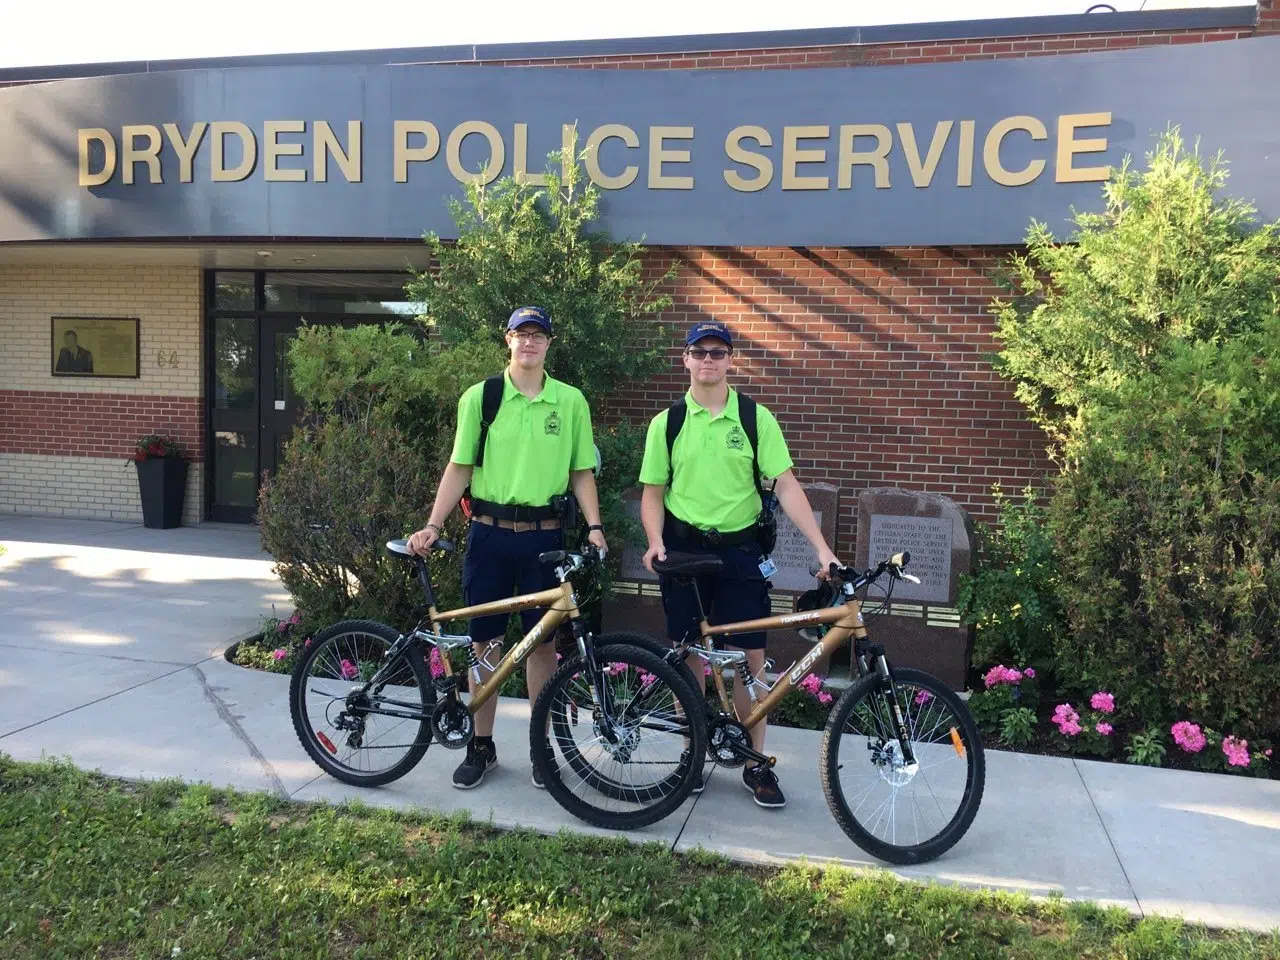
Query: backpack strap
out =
(675, 420)
(747, 414)
(489, 404)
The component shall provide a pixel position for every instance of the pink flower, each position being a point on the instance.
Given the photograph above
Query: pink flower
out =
(1188, 736)
(279, 653)
(1067, 720)
(349, 670)
(616, 668)
(1237, 751)
(1001, 674)
(1029, 673)
(282, 626)
(811, 684)
(825, 698)
(923, 697)
(646, 678)
(706, 669)
(306, 644)
(1104, 728)
(295, 618)
(1103, 701)
(559, 657)
(1266, 752)
(437, 664)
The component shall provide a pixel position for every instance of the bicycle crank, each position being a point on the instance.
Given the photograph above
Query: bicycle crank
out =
(452, 724)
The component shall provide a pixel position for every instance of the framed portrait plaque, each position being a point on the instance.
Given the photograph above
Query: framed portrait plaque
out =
(94, 347)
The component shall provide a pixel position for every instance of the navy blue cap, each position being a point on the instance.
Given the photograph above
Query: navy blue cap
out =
(708, 328)
(530, 315)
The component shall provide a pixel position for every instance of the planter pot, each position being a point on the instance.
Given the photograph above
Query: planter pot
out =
(162, 484)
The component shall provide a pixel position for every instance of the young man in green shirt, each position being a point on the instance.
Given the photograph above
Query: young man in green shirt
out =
(713, 488)
(539, 445)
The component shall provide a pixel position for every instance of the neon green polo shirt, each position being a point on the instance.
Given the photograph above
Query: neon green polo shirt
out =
(713, 486)
(533, 444)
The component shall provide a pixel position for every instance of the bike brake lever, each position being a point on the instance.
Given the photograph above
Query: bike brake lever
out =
(911, 577)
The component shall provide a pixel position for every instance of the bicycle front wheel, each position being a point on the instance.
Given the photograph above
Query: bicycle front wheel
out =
(903, 812)
(363, 739)
(629, 760)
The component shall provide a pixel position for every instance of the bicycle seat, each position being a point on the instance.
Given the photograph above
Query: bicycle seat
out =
(400, 548)
(688, 564)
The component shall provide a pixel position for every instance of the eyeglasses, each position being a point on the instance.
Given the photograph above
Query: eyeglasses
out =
(698, 353)
(534, 337)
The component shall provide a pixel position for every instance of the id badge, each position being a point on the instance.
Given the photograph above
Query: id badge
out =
(768, 568)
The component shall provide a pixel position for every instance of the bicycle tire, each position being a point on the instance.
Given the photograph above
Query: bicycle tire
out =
(550, 772)
(829, 766)
(584, 769)
(305, 731)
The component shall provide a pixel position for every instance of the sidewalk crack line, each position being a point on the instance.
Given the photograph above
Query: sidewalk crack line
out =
(1107, 833)
(225, 713)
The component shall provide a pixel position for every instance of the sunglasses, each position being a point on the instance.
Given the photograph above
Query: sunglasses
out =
(698, 353)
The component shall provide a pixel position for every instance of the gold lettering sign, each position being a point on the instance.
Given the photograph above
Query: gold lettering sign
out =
(806, 152)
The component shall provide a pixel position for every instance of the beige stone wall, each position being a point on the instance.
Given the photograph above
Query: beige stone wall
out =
(88, 487)
(167, 299)
(64, 440)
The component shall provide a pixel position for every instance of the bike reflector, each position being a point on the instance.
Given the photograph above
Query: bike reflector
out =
(328, 744)
(957, 742)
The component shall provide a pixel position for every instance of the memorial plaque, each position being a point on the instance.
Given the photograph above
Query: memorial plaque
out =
(920, 628)
(929, 541)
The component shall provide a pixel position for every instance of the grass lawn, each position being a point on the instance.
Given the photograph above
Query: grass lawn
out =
(91, 867)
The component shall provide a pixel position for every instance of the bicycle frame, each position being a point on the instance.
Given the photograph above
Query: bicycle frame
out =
(844, 619)
(561, 603)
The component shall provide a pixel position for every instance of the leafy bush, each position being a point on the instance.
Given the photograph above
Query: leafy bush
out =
(1168, 527)
(1169, 259)
(1011, 597)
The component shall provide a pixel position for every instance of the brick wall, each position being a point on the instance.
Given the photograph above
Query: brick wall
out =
(1268, 17)
(887, 54)
(873, 360)
(63, 442)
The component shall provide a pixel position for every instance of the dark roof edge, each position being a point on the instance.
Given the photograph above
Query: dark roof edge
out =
(1202, 18)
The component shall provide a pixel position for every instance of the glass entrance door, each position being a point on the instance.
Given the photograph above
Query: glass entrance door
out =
(252, 406)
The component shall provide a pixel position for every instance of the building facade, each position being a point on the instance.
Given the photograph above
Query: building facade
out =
(178, 219)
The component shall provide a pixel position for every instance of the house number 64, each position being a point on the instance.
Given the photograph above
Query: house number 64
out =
(166, 358)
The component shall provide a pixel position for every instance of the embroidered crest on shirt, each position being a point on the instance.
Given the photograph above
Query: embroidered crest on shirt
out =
(552, 423)
(736, 439)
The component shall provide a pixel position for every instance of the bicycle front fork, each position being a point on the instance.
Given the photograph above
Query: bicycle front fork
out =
(874, 661)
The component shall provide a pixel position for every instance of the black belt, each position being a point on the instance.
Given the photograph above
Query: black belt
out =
(507, 511)
(708, 538)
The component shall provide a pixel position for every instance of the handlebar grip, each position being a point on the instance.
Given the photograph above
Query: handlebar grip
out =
(552, 556)
(901, 559)
(815, 569)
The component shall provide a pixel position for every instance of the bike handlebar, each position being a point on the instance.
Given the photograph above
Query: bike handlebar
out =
(893, 564)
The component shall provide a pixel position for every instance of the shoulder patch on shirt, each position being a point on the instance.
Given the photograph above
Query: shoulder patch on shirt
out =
(552, 423)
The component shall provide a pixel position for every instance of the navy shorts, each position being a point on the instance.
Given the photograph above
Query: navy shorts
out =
(738, 592)
(500, 564)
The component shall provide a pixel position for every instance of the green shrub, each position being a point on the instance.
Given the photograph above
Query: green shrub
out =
(1168, 527)
(1011, 597)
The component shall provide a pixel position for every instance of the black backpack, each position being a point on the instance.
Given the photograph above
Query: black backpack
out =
(766, 522)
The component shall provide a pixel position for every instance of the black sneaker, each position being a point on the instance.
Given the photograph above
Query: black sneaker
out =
(480, 757)
(699, 784)
(761, 781)
(537, 777)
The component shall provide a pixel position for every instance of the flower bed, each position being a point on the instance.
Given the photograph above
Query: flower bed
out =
(1014, 713)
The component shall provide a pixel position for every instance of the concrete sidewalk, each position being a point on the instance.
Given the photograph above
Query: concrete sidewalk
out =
(111, 654)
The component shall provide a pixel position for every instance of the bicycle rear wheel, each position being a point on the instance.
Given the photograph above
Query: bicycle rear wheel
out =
(634, 771)
(903, 813)
(346, 735)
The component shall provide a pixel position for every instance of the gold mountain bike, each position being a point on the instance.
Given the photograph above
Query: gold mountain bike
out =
(367, 700)
(901, 759)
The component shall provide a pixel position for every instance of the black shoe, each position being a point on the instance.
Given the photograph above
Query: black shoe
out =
(762, 783)
(480, 757)
(699, 784)
(537, 777)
